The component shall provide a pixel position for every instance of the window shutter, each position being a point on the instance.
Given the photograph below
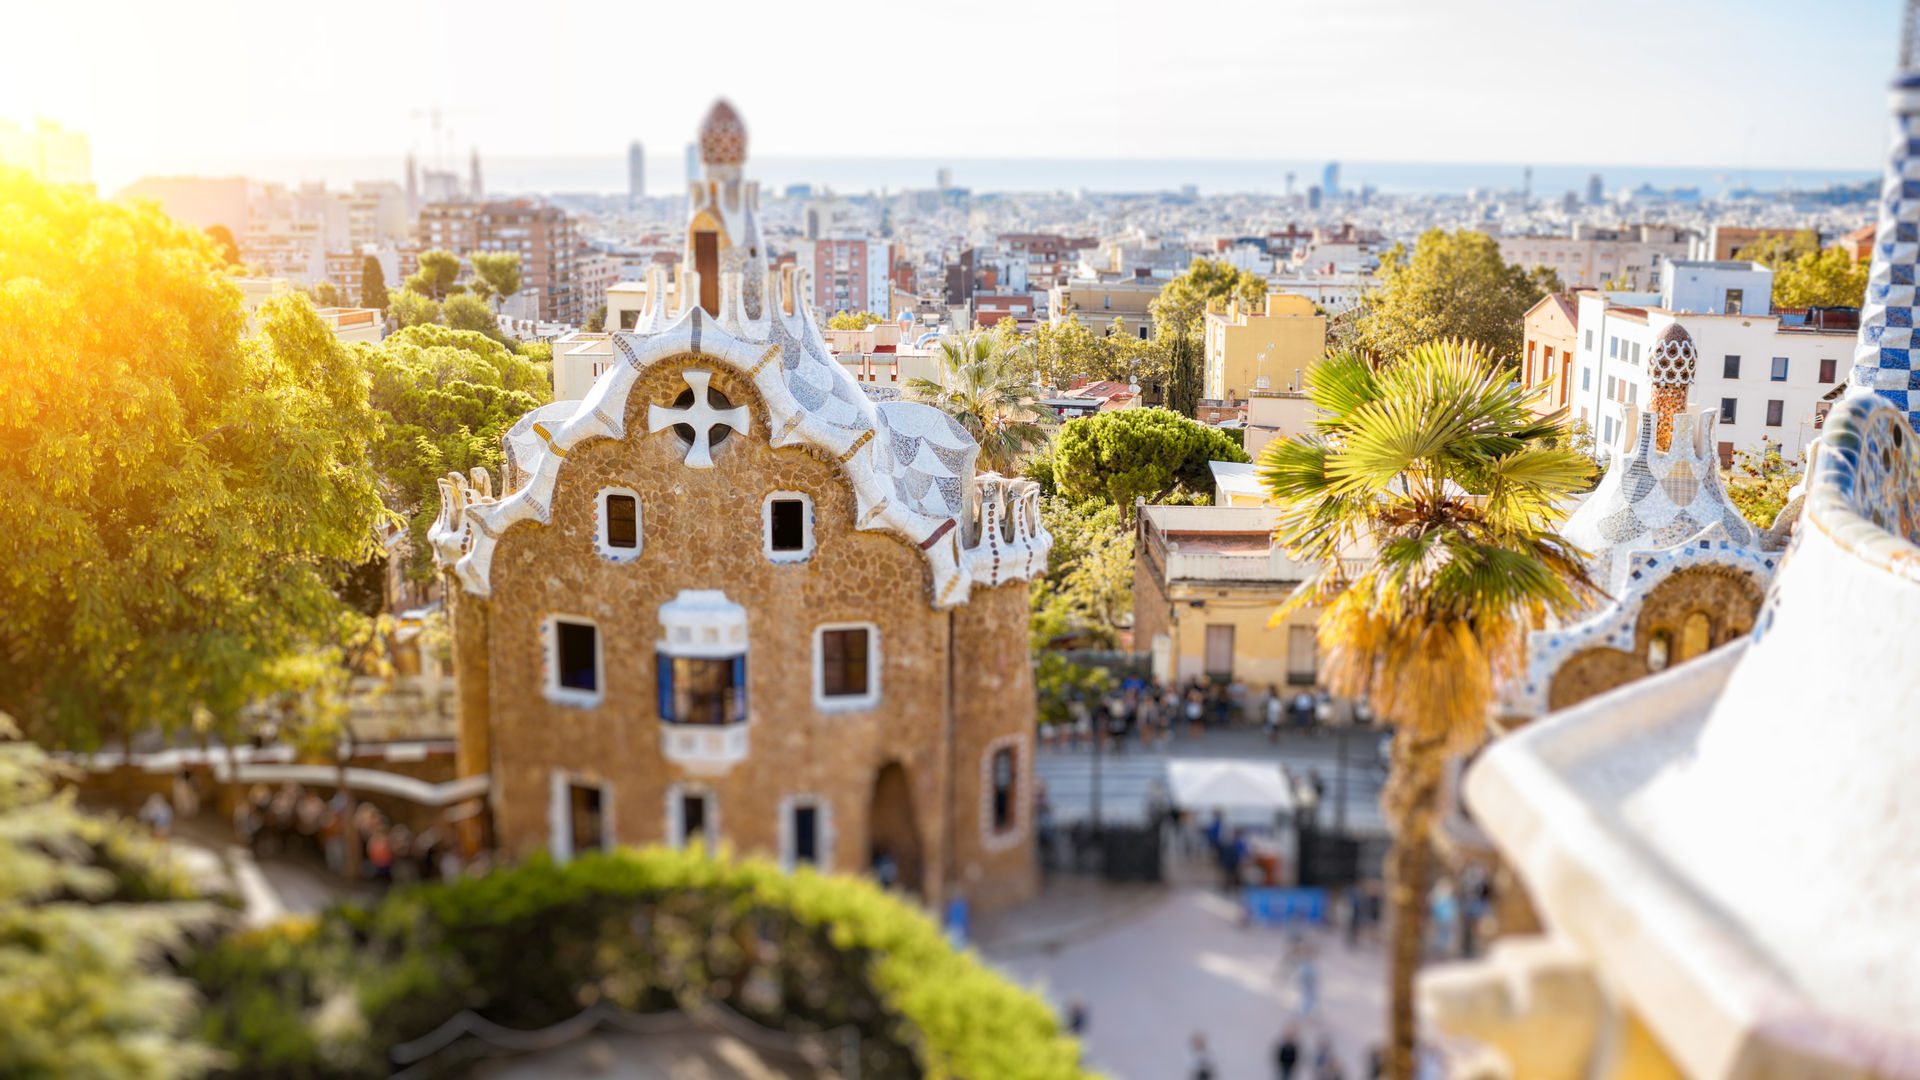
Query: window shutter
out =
(664, 677)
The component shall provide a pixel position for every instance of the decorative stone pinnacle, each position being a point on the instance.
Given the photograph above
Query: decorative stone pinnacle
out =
(1670, 366)
(701, 416)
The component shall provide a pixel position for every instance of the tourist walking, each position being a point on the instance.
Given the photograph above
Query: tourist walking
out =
(1286, 1053)
(1199, 1060)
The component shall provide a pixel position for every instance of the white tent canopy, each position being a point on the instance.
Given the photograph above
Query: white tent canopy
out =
(1214, 784)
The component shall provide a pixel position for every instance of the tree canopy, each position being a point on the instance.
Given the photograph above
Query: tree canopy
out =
(1453, 286)
(1124, 454)
(445, 396)
(465, 311)
(1088, 587)
(986, 390)
(1828, 278)
(373, 284)
(86, 911)
(853, 320)
(434, 280)
(181, 501)
(223, 245)
(495, 273)
(409, 308)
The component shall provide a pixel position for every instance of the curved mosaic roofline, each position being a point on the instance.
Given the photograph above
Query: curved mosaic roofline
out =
(1863, 489)
(995, 537)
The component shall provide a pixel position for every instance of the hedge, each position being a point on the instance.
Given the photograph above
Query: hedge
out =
(644, 930)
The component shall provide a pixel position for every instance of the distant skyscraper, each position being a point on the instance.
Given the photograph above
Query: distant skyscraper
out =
(1289, 185)
(943, 179)
(1526, 183)
(1330, 179)
(413, 185)
(477, 189)
(1313, 196)
(1595, 192)
(636, 175)
(693, 163)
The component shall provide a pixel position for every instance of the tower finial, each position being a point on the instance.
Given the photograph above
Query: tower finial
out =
(723, 136)
(1882, 360)
(1910, 37)
(1670, 367)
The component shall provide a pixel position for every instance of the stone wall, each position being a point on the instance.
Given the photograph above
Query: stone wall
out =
(993, 710)
(702, 529)
(1728, 599)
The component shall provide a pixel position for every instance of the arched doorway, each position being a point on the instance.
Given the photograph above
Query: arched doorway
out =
(892, 833)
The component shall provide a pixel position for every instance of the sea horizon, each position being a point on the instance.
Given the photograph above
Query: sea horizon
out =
(850, 176)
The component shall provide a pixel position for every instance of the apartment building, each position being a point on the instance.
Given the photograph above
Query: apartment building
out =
(1096, 303)
(851, 273)
(547, 240)
(1268, 350)
(1631, 256)
(1766, 371)
(1049, 258)
(1552, 336)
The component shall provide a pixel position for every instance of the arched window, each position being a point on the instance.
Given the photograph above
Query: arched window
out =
(1659, 648)
(1696, 635)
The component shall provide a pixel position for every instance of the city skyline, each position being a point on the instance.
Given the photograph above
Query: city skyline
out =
(1382, 81)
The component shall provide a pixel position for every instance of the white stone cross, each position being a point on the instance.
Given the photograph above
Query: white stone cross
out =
(701, 416)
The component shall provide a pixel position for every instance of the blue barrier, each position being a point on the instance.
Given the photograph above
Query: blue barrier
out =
(1275, 907)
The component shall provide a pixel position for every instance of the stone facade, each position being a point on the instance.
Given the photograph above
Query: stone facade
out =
(710, 415)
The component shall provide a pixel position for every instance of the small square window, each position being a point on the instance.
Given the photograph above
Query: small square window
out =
(787, 526)
(573, 662)
(845, 666)
(1586, 378)
(1732, 369)
(1779, 369)
(1827, 370)
(1611, 387)
(623, 521)
(1776, 410)
(1729, 409)
(1005, 777)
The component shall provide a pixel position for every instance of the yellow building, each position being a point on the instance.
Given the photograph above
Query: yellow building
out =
(1206, 579)
(1270, 351)
(1096, 303)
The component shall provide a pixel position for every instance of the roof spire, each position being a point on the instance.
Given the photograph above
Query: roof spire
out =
(1670, 367)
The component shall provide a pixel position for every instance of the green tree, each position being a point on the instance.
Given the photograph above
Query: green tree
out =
(496, 273)
(1125, 454)
(468, 312)
(1179, 321)
(434, 279)
(86, 914)
(1760, 482)
(224, 247)
(1438, 464)
(853, 320)
(181, 501)
(409, 308)
(1776, 250)
(373, 284)
(984, 386)
(445, 397)
(1828, 278)
(327, 294)
(1452, 286)
(597, 321)
(1088, 587)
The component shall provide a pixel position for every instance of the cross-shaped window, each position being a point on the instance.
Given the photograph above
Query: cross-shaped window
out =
(701, 416)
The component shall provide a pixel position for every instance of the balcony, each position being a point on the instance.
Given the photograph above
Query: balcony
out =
(705, 749)
(702, 681)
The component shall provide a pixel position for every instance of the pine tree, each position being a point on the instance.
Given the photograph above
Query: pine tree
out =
(373, 285)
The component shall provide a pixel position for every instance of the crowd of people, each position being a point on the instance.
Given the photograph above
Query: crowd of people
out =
(1150, 711)
(353, 837)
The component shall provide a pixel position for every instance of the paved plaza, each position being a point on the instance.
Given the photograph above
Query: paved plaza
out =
(1155, 973)
(1125, 778)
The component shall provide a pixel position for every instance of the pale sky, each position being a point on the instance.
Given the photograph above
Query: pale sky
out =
(172, 87)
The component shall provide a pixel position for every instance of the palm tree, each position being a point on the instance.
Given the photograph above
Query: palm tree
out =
(987, 390)
(1437, 465)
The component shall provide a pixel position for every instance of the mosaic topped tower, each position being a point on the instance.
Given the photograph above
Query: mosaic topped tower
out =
(1883, 361)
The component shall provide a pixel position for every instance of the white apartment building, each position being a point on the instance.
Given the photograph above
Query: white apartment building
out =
(1766, 379)
(1632, 256)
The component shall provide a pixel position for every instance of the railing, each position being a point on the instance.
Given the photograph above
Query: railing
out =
(1272, 565)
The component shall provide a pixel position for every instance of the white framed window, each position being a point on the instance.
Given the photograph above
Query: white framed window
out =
(616, 514)
(786, 526)
(579, 814)
(1006, 781)
(846, 666)
(806, 832)
(693, 814)
(575, 669)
